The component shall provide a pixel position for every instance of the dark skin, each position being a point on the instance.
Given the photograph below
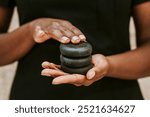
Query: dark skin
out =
(129, 65)
(17, 43)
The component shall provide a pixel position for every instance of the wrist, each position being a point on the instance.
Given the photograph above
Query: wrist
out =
(30, 28)
(110, 68)
(29, 32)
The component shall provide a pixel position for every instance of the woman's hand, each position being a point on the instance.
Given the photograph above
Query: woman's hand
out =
(100, 69)
(60, 30)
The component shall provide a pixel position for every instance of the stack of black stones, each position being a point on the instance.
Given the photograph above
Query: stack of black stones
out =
(76, 58)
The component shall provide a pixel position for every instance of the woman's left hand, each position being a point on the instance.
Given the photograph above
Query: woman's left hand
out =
(99, 70)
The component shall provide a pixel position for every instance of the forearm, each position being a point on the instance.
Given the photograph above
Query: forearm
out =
(130, 65)
(15, 44)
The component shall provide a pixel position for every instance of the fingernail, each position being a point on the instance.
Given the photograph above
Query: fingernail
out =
(65, 39)
(55, 82)
(82, 37)
(75, 39)
(91, 75)
(45, 73)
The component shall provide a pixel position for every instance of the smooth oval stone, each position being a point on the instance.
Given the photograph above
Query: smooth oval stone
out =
(75, 62)
(82, 70)
(76, 50)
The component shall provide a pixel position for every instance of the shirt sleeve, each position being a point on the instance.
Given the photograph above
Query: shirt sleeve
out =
(7, 3)
(135, 2)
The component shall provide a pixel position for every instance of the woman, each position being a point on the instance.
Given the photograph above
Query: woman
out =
(105, 24)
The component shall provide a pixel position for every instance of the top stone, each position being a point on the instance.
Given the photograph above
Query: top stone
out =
(82, 49)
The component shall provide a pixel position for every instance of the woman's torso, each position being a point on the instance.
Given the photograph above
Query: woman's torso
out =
(106, 26)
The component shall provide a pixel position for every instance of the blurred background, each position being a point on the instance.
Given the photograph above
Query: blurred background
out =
(7, 72)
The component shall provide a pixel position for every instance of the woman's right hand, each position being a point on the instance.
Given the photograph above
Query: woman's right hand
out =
(60, 30)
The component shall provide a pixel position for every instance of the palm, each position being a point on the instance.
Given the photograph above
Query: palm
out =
(99, 69)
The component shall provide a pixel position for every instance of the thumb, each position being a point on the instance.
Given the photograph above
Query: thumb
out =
(91, 73)
(40, 35)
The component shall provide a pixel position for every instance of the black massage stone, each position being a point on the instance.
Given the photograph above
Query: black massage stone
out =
(81, 70)
(76, 50)
(75, 62)
(76, 58)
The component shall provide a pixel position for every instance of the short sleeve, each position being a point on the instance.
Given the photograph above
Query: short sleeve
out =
(135, 2)
(7, 3)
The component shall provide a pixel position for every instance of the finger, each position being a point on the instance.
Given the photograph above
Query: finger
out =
(71, 27)
(88, 83)
(71, 79)
(74, 38)
(85, 83)
(75, 30)
(55, 24)
(66, 32)
(52, 72)
(40, 35)
(78, 33)
(100, 67)
(82, 37)
(94, 72)
(59, 32)
(58, 35)
(50, 65)
(91, 73)
(78, 85)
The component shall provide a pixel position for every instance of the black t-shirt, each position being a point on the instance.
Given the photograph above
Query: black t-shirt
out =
(106, 26)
